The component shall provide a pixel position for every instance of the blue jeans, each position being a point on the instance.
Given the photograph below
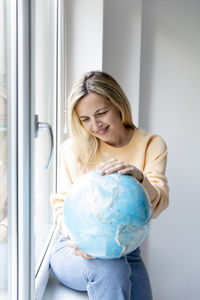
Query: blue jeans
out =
(124, 278)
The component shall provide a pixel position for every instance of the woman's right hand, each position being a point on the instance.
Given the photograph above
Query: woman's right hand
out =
(79, 252)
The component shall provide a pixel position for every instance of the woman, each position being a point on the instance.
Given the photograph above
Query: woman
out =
(103, 137)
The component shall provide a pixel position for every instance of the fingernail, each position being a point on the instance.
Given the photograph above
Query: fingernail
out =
(100, 172)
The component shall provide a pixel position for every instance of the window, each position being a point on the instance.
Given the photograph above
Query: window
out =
(28, 100)
(29, 105)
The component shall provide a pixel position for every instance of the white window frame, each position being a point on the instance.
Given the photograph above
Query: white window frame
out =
(20, 153)
(24, 283)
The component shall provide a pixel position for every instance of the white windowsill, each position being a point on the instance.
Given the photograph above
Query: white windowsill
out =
(56, 290)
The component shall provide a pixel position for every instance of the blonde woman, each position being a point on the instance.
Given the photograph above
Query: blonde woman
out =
(103, 137)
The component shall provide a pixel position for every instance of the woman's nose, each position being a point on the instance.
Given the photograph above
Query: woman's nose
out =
(96, 124)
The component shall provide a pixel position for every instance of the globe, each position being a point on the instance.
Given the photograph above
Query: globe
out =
(107, 216)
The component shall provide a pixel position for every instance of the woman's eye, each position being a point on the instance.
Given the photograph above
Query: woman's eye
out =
(84, 120)
(101, 113)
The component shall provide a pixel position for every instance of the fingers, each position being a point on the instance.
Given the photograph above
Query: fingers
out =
(78, 252)
(113, 165)
(105, 164)
(70, 244)
(127, 171)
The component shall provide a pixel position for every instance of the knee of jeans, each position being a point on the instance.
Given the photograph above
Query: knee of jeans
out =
(110, 270)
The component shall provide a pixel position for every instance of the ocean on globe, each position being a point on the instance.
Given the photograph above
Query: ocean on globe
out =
(107, 216)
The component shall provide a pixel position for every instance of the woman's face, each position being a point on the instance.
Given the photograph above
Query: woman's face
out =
(100, 118)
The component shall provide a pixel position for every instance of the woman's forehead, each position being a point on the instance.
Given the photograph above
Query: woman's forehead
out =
(91, 103)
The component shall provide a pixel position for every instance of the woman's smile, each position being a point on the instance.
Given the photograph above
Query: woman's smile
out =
(103, 120)
(103, 131)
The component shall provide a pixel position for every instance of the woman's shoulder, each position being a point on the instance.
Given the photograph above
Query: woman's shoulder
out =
(68, 150)
(149, 138)
(66, 147)
(66, 144)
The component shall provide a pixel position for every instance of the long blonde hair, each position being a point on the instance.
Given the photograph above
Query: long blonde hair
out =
(85, 145)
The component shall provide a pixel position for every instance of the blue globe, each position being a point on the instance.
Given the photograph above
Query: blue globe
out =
(107, 216)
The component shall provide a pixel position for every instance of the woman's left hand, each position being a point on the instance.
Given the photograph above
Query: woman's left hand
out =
(79, 252)
(114, 165)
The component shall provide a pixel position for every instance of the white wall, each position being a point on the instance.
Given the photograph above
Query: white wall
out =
(121, 46)
(170, 105)
(85, 35)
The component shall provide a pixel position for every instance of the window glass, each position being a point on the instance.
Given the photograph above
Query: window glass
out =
(44, 95)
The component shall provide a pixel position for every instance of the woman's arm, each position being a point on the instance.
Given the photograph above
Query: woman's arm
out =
(152, 177)
(155, 181)
(64, 183)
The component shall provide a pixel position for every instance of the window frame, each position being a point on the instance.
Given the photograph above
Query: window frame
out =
(43, 270)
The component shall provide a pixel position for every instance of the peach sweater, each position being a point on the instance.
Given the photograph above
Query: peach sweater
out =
(146, 151)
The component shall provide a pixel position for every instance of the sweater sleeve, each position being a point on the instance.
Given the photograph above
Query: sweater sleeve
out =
(64, 183)
(155, 181)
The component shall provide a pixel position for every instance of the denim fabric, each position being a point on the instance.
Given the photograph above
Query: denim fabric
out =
(125, 278)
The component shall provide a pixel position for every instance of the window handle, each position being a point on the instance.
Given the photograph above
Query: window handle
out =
(42, 126)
